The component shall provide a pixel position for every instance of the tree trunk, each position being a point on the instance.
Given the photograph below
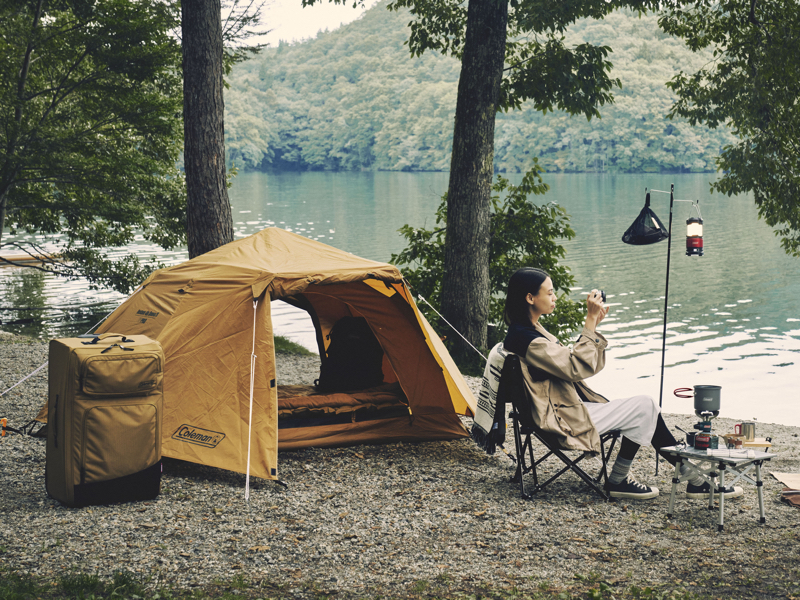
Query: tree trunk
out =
(209, 220)
(465, 285)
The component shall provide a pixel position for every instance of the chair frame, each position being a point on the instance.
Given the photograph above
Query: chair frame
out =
(525, 429)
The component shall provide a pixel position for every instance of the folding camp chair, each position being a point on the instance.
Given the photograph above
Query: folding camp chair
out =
(512, 391)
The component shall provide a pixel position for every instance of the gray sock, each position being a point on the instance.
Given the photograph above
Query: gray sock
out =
(696, 480)
(620, 470)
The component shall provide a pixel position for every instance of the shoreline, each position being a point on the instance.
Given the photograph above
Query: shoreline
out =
(379, 519)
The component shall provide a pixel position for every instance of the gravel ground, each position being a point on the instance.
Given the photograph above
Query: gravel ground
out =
(394, 519)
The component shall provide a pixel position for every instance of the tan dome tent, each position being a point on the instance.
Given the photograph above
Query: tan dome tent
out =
(212, 313)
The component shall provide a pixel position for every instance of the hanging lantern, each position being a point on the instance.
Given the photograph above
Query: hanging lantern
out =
(694, 236)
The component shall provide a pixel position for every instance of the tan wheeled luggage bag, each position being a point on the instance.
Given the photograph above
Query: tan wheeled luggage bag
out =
(105, 404)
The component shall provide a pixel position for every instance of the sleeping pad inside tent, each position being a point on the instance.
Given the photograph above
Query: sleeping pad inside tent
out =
(212, 317)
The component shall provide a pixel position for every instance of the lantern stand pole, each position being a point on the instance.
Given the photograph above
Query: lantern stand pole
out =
(666, 305)
(672, 201)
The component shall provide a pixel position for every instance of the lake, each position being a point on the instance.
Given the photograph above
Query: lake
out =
(733, 318)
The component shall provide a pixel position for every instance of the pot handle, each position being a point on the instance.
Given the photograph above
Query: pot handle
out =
(681, 395)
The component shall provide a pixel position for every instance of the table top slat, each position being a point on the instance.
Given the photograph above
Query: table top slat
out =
(739, 457)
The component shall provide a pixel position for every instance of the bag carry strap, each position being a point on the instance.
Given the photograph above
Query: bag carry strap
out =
(104, 336)
(120, 346)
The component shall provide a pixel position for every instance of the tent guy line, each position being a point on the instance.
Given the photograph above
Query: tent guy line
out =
(250, 417)
(42, 366)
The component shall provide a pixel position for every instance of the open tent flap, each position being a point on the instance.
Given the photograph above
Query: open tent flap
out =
(423, 386)
(464, 402)
(405, 344)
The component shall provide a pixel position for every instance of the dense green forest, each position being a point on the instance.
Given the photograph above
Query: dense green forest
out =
(355, 99)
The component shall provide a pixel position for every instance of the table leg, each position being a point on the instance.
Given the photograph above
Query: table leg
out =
(676, 478)
(721, 493)
(760, 488)
(711, 489)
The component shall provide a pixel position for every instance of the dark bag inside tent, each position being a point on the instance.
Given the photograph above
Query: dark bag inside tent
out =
(646, 229)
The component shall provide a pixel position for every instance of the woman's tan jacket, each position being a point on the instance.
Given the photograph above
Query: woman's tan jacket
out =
(557, 370)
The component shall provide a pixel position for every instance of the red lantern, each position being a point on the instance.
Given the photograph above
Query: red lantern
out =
(694, 236)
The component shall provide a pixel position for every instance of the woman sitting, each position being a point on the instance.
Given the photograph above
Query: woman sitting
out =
(563, 404)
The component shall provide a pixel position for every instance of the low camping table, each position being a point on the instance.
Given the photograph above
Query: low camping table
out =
(716, 462)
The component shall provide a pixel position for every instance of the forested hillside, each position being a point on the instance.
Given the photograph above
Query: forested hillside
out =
(355, 99)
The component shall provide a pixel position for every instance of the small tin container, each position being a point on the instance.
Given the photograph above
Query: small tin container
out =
(714, 442)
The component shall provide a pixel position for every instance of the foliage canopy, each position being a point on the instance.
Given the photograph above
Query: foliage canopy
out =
(752, 84)
(541, 66)
(352, 99)
(90, 130)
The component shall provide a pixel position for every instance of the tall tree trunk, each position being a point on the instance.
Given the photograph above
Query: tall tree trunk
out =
(465, 285)
(209, 219)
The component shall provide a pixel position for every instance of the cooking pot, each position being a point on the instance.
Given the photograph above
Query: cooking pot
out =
(706, 397)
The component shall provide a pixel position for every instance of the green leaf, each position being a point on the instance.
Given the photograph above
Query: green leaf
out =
(91, 130)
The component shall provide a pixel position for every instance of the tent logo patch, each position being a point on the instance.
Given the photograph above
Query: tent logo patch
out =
(200, 437)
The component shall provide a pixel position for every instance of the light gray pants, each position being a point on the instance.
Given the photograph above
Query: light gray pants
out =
(635, 417)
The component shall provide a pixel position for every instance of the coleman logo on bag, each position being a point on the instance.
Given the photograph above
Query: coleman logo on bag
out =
(195, 435)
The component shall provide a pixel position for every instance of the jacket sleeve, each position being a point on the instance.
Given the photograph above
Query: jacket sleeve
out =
(586, 358)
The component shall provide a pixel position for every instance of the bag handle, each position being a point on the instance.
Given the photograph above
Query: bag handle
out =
(104, 336)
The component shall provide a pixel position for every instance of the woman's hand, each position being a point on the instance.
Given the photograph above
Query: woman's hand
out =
(595, 310)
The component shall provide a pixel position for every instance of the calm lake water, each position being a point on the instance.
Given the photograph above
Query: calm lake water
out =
(734, 314)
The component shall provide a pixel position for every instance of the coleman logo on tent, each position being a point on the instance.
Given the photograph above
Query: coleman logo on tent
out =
(147, 313)
(195, 435)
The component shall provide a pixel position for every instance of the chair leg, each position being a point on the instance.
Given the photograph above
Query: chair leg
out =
(573, 465)
(534, 463)
(525, 446)
(583, 475)
(602, 476)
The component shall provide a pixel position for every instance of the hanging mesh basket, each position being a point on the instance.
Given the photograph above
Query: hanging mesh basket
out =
(646, 229)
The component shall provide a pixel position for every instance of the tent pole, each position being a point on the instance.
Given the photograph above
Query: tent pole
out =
(666, 305)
